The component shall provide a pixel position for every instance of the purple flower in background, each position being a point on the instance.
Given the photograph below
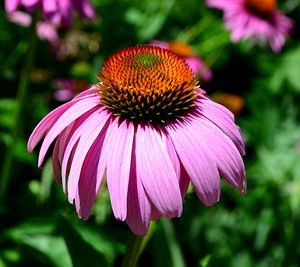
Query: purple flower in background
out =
(55, 13)
(66, 89)
(185, 51)
(259, 20)
(147, 130)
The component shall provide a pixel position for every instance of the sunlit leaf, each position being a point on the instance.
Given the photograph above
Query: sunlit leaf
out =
(39, 235)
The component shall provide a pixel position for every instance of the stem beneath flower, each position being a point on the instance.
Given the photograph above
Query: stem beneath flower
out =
(134, 249)
(20, 99)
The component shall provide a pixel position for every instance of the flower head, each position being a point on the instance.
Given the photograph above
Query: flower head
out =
(185, 51)
(150, 128)
(259, 20)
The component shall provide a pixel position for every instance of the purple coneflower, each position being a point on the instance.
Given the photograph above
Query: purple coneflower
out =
(150, 130)
(185, 51)
(256, 19)
(55, 13)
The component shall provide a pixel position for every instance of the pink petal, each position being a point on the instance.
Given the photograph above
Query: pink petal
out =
(11, 5)
(71, 146)
(156, 172)
(58, 151)
(65, 9)
(138, 207)
(224, 119)
(226, 155)
(55, 161)
(49, 6)
(182, 176)
(20, 18)
(46, 123)
(90, 179)
(118, 166)
(89, 131)
(198, 161)
(48, 32)
(71, 114)
(84, 8)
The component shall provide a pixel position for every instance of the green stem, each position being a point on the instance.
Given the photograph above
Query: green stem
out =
(20, 99)
(134, 249)
(136, 245)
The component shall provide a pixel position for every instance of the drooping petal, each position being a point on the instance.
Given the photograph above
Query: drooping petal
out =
(58, 151)
(197, 160)
(71, 114)
(49, 8)
(156, 172)
(224, 119)
(46, 123)
(69, 145)
(11, 5)
(226, 155)
(138, 205)
(55, 161)
(182, 176)
(84, 8)
(90, 179)
(65, 9)
(118, 166)
(90, 130)
(20, 18)
(48, 31)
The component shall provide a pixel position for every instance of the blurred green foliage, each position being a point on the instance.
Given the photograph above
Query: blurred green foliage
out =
(39, 228)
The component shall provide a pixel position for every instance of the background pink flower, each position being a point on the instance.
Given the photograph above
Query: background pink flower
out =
(55, 13)
(258, 20)
(66, 89)
(149, 127)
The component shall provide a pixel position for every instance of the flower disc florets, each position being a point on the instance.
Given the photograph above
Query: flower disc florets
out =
(147, 83)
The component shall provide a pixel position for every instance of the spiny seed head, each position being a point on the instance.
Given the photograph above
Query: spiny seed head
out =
(147, 83)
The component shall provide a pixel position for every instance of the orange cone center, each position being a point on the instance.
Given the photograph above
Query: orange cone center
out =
(147, 83)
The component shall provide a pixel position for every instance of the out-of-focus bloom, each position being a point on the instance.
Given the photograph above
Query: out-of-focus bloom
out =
(55, 13)
(66, 89)
(185, 51)
(152, 130)
(48, 32)
(79, 44)
(233, 102)
(259, 20)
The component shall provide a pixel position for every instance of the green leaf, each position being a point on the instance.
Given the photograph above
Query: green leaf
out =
(39, 235)
(287, 71)
(89, 246)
